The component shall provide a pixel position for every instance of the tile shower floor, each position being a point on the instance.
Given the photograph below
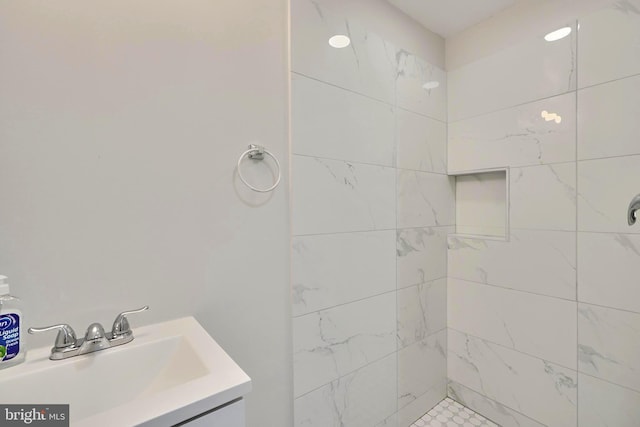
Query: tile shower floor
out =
(450, 413)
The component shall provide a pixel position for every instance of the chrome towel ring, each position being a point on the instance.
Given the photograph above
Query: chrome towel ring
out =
(257, 152)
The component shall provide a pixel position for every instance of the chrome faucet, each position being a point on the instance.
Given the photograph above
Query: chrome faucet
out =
(95, 339)
(634, 207)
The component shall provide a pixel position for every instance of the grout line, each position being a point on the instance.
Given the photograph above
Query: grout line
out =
(430, 389)
(424, 339)
(517, 351)
(427, 226)
(375, 361)
(396, 202)
(328, 233)
(577, 141)
(609, 157)
(348, 373)
(344, 303)
(533, 101)
(492, 400)
(422, 171)
(357, 162)
(624, 310)
(609, 81)
(497, 168)
(381, 101)
(545, 230)
(446, 259)
(428, 282)
(555, 230)
(568, 162)
(512, 106)
(610, 382)
(289, 175)
(444, 122)
(512, 289)
(608, 232)
(610, 307)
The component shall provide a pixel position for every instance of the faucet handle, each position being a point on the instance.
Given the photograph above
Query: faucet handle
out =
(66, 336)
(121, 324)
(95, 332)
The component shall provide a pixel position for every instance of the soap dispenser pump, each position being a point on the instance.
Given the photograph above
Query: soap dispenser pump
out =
(12, 351)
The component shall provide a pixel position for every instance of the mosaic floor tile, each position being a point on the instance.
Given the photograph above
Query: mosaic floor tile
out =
(450, 413)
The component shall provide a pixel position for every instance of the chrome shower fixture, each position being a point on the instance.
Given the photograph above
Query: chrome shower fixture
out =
(634, 206)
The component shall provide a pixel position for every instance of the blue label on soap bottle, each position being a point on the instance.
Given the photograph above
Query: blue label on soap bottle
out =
(9, 336)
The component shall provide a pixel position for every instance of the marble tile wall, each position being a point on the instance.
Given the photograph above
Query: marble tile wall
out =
(371, 208)
(512, 333)
(541, 330)
(541, 390)
(528, 72)
(544, 329)
(608, 169)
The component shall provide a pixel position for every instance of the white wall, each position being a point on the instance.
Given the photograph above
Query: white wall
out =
(120, 127)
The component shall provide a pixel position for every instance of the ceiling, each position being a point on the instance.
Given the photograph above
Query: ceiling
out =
(449, 17)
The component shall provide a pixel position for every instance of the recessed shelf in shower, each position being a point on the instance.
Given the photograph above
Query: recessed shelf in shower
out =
(482, 203)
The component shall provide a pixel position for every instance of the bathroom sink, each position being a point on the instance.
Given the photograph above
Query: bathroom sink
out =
(170, 372)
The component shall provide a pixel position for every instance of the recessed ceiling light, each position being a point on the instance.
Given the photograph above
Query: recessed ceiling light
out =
(558, 34)
(339, 41)
(431, 85)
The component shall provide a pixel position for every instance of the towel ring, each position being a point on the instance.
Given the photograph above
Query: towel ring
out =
(257, 152)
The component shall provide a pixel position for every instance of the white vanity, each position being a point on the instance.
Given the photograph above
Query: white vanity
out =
(171, 373)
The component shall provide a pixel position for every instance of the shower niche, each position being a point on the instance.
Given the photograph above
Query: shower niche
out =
(482, 203)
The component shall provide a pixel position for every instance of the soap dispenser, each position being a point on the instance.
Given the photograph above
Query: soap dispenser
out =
(12, 351)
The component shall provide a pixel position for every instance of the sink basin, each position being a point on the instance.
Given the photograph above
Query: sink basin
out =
(170, 372)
